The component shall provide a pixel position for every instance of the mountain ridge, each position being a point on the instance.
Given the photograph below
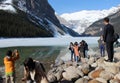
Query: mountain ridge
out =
(79, 21)
(39, 13)
(97, 27)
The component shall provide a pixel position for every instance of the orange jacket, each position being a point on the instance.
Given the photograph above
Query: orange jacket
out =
(10, 63)
(76, 50)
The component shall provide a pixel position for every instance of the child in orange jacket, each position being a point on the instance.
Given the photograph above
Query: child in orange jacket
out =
(76, 51)
(9, 62)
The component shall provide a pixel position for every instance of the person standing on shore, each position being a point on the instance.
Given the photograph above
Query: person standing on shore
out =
(81, 48)
(9, 62)
(85, 49)
(108, 35)
(76, 51)
(72, 51)
(101, 46)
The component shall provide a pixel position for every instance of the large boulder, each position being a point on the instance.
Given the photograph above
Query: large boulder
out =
(114, 81)
(100, 62)
(112, 69)
(85, 68)
(72, 73)
(91, 60)
(95, 74)
(117, 77)
(106, 75)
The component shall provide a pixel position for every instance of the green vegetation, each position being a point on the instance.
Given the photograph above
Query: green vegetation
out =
(18, 25)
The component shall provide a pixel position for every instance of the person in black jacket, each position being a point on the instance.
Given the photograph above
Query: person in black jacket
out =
(108, 34)
(85, 49)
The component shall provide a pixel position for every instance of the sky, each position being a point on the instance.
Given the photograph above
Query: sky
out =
(70, 6)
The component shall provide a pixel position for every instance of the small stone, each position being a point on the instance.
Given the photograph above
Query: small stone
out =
(94, 65)
(82, 80)
(101, 80)
(94, 81)
(51, 78)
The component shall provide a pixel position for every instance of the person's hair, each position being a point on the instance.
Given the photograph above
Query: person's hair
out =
(76, 43)
(29, 63)
(71, 43)
(106, 19)
(9, 53)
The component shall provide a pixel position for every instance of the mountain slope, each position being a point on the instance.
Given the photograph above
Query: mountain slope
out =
(16, 25)
(38, 14)
(79, 21)
(41, 13)
(96, 28)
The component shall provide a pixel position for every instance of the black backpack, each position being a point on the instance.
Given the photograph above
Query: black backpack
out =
(115, 37)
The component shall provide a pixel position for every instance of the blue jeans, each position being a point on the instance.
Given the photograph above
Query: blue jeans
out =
(86, 53)
(72, 55)
(76, 58)
(102, 50)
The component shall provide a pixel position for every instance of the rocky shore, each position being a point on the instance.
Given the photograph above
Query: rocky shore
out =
(92, 70)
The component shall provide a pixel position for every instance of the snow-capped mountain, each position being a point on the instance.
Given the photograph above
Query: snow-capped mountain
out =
(40, 13)
(7, 5)
(81, 20)
(96, 29)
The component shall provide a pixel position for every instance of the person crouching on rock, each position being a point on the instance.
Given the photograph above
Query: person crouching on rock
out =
(34, 72)
(76, 51)
(9, 62)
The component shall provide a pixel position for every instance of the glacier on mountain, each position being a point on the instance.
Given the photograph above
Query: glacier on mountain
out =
(79, 21)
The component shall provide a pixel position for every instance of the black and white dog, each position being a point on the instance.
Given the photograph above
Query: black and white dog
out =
(34, 72)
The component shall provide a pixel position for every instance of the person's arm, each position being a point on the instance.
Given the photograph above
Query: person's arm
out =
(5, 60)
(105, 34)
(15, 55)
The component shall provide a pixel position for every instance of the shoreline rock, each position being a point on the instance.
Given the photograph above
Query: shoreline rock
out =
(98, 71)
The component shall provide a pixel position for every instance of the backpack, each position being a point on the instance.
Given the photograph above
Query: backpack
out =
(115, 37)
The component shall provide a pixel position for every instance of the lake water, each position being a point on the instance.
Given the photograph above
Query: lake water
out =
(46, 50)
